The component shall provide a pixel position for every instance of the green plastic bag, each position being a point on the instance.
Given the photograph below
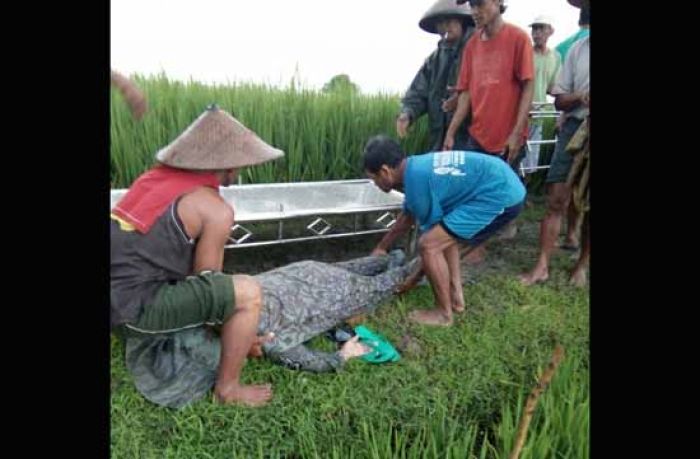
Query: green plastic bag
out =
(382, 350)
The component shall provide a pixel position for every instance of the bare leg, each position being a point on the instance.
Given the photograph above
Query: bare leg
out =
(474, 255)
(456, 290)
(433, 246)
(237, 336)
(557, 200)
(412, 280)
(573, 221)
(579, 277)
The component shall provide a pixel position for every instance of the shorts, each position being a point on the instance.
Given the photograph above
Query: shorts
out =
(205, 299)
(509, 214)
(561, 162)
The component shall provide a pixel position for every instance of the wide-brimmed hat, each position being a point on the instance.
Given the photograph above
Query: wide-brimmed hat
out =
(216, 141)
(443, 9)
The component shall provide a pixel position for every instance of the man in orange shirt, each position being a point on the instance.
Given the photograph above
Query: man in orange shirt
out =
(496, 85)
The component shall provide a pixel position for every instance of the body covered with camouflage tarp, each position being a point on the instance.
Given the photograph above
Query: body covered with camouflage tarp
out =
(301, 301)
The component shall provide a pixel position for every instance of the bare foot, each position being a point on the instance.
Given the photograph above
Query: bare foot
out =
(534, 277)
(456, 307)
(457, 301)
(579, 278)
(244, 395)
(430, 317)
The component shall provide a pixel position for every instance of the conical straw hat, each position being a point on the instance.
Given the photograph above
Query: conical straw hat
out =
(215, 141)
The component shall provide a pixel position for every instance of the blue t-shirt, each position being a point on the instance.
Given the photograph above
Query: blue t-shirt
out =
(437, 183)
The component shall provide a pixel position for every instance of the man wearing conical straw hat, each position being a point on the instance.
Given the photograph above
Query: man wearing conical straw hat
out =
(167, 248)
(432, 89)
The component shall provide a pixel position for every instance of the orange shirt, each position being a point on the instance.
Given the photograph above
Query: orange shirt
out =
(493, 72)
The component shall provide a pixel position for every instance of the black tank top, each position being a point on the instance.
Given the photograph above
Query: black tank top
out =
(142, 263)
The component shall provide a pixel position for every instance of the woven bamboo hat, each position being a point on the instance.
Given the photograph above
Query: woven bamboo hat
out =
(443, 9)
(216, 141)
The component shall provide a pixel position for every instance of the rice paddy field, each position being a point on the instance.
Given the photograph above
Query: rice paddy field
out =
(457, 392)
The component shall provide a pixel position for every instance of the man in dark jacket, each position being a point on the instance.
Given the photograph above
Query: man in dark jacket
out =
(431, 90)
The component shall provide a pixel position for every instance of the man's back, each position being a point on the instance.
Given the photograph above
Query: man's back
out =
(564, 47)
(141, 263)
(438, 182)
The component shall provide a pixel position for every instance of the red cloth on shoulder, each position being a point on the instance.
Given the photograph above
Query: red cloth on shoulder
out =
(153, 192)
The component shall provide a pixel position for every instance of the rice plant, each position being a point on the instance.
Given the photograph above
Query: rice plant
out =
(322, 134)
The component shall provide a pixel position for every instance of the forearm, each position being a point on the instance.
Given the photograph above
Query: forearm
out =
(402, 225)
(414, 107)
(132, 94)
(567, 102)
(460, 113)
(524, 107)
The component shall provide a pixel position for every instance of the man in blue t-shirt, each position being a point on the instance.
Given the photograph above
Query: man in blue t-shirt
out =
(455, 197)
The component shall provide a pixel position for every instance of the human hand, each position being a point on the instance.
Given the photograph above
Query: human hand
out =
(512, 147)
(450, 104)
(258, 341)
(402, 123)
(448, 143)
(353, 348)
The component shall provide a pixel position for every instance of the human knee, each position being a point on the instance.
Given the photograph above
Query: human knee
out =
(557, 202)
(426, 246)
(248, 293)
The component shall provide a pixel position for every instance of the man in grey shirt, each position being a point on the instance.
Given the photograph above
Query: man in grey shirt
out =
(572, 96)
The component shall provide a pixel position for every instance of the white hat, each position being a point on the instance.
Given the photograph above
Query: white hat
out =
(542, 19)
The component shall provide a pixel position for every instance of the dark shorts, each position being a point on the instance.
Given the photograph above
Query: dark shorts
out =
(509, 214)
(472, 145)
(204, 299)
(561, 162)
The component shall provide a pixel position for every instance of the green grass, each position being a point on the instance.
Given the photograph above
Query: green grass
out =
(459, 396)
(323, 135)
